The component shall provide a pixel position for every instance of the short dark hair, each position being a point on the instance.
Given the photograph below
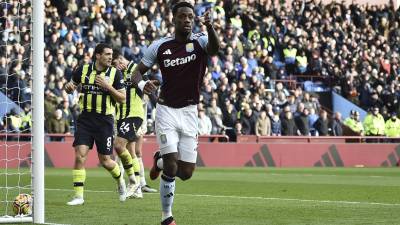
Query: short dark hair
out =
(116, 53)
(180, 5)
(100, 48)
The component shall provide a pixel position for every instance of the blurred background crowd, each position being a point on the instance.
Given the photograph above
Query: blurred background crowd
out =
(273, 57)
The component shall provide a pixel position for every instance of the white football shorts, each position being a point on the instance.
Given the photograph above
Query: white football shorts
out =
(176, 130)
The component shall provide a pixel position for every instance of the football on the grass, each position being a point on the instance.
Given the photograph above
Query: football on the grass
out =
(22, 204)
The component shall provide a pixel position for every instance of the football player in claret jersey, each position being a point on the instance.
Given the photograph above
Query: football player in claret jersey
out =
(101, 87)
(182, 59)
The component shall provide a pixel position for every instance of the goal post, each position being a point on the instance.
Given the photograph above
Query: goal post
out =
(38, 110)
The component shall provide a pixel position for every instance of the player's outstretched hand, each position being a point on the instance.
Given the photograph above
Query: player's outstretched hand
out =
(70, 87)
(100, 81)
(151, 86)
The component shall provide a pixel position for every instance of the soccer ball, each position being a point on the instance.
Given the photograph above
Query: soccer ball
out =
(22, 205)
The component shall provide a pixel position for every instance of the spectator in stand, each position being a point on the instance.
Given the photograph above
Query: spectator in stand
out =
(312, 119)
(248, 121)
(215, 114)
(302, 122)
(374, 124)
(299, 111)
(336, 126)
(12, 121)
(290, 53)
(276, 124)
(58, 125)
(205, 125)
(301, 61)
(315, 102)
(392, 126)
(3, 72)
(50, 105)
(230, 114)
(26, 119)
(238, 131)
(263, 125)
(289, 127)
(322, 124)
(354, 124)
(291, 102)
(66, 111)
(307, 101)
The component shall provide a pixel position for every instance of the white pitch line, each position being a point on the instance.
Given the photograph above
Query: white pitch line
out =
(55, 224)
(259, 198)
(321, 175)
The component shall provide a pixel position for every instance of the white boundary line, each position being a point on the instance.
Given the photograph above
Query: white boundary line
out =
(259, 198)
(54, 224)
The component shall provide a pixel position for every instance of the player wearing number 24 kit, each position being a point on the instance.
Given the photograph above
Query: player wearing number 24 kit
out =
(101, 86)
(129, 117)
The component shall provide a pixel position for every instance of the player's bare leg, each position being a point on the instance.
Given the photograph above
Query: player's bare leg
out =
(185, 170)
(115, 172)
(79, 174)
(138, 151)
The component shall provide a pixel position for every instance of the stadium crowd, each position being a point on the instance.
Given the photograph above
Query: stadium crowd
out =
(252, 87)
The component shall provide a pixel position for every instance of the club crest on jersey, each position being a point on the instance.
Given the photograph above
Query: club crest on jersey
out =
(189, 47)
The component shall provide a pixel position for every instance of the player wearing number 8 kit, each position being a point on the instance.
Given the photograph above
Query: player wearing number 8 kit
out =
(101, 87)
(129, 117)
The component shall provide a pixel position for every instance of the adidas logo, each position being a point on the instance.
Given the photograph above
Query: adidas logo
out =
(393, 159)
(330, 158)
(169, 195)
(167, 52)
(261, 159)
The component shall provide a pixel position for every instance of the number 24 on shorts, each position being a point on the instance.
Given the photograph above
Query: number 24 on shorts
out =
(124, 128)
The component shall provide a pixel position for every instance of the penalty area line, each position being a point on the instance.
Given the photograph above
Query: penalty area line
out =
(255, 198)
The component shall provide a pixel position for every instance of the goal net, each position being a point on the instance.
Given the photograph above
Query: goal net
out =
(17, 119)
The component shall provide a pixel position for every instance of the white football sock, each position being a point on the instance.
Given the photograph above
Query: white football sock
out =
(141, 172)
(167, 191)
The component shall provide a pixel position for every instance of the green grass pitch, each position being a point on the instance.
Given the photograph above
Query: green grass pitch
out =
(240, 196)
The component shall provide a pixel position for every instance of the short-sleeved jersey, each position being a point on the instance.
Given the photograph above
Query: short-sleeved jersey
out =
(182, 67)
(93, 98)
(133, 104)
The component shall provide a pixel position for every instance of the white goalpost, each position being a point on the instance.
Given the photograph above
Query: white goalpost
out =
(22, 155)
(38, 111)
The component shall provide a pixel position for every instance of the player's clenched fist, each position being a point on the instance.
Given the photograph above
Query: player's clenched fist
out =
(70, 87)
(151, 86)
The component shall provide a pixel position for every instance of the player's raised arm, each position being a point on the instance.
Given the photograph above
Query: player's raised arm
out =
(213, 41)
